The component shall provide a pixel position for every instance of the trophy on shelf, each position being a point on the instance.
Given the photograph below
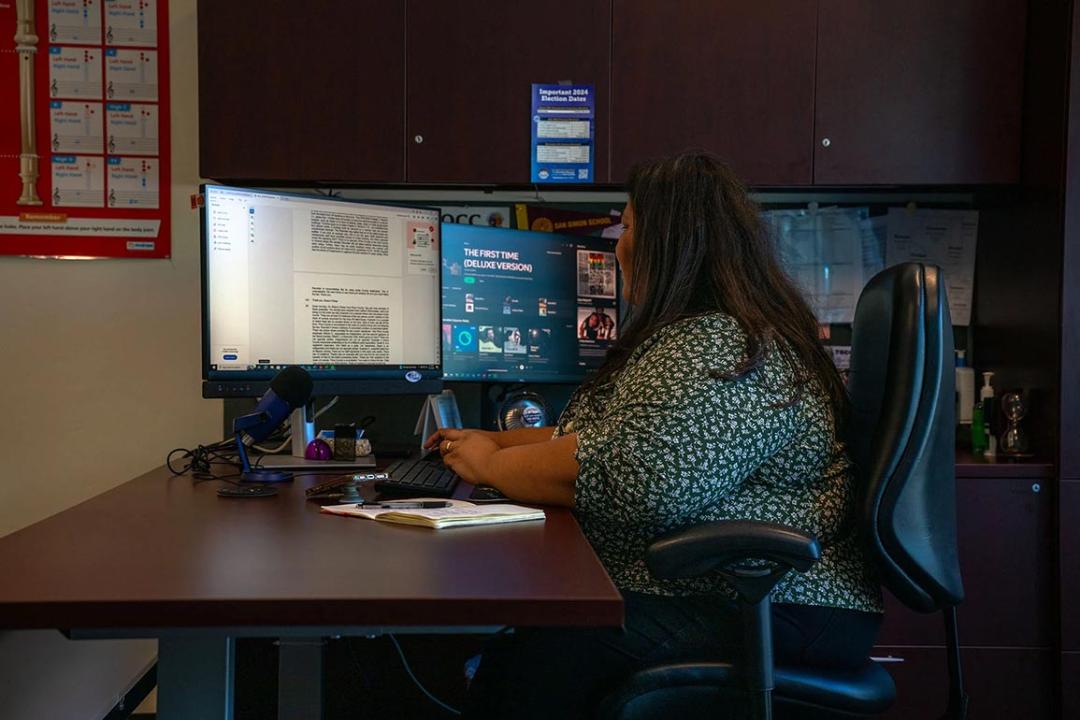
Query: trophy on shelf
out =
(1014, 442)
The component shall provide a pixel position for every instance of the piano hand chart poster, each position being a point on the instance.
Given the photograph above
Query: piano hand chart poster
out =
(84, 128)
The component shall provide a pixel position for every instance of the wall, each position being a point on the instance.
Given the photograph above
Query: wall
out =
(101, 368)
(101, 358)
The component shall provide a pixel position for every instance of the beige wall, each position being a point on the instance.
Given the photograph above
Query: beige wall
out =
(100, 368)
(100, 359)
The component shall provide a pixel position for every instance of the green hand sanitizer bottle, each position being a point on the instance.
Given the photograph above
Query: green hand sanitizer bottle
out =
(978, 430)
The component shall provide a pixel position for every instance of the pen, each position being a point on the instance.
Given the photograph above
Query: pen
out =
(409, 505)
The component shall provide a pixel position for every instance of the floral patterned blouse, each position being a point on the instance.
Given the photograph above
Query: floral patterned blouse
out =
(664, 445)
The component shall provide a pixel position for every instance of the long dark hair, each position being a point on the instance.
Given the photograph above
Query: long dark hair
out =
(699, 247)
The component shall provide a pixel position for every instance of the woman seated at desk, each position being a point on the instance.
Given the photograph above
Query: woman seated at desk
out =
(716, 402)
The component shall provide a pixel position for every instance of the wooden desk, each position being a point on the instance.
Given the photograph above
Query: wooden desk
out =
(164, 557)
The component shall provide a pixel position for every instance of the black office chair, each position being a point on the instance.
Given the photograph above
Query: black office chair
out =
(901, 389)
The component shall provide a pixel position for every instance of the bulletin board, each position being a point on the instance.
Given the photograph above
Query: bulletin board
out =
(84, 128)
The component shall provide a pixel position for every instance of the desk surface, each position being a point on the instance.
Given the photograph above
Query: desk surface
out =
(163, 551)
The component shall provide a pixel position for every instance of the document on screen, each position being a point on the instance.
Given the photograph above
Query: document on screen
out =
(348, 320)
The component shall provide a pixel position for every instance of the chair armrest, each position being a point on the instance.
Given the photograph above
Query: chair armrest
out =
(717, 546)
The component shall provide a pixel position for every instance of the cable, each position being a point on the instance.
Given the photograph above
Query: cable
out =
(200, 457)
(327, 406)
(423, 689)
(273, 451)
(200, 460)
(288, 431)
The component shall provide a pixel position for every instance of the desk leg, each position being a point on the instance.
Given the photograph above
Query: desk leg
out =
(195, 678)
(300, 682)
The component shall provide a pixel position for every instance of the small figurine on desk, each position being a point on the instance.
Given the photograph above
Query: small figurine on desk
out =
(318, 449)
(1014, 442)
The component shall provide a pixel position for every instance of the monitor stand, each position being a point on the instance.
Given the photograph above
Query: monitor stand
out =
(302, 422)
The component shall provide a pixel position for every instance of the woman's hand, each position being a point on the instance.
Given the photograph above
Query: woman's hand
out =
(468, 453)
(504, 439)
(436, 439)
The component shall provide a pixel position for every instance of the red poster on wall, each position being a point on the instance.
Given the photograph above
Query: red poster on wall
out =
(84, 128)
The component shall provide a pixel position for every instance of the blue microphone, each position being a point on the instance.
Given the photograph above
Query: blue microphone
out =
(290, 389)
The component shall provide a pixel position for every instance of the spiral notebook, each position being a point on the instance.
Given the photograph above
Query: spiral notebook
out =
(460, 513)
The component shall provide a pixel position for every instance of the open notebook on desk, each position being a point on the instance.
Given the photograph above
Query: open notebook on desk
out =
(459, 513)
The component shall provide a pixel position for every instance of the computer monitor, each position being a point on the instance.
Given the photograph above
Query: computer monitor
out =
(349, 291)
(521, 306)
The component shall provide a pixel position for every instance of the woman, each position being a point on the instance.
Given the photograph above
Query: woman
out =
(717, 401)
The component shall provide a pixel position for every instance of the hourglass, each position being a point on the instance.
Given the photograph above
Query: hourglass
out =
(1014, 440)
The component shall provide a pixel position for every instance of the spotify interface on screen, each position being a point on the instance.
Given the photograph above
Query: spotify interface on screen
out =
(522, 306)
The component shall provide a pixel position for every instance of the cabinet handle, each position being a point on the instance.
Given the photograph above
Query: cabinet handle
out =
(826, 142)
(418, 139)
(1036, 487)
(886, 659)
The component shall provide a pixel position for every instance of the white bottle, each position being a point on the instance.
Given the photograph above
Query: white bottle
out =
(986, 399)
(965, 389)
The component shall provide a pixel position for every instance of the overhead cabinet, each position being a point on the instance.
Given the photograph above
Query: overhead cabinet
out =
(789, 92)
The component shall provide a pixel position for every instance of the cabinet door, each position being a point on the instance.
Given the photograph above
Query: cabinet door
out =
(1005, 533)
(1070, 688)
(919, 91)
(302, 90)
(1002, 683)
(471, 65)
(733, 78)
(1069, 564)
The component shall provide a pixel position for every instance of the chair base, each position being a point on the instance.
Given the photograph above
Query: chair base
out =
(695, 690)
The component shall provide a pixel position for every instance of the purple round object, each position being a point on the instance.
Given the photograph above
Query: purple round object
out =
(318, 450)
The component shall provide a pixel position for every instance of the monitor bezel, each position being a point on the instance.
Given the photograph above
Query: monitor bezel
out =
(389, 380)
(507, 378)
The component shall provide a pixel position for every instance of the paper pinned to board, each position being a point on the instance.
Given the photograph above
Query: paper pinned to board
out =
(828, 252)
(945, 238)
(874, 231)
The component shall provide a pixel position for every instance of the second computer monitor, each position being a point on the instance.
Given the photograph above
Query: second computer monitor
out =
(523, 306)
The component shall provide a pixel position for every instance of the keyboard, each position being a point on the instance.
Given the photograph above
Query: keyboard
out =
(418, 478)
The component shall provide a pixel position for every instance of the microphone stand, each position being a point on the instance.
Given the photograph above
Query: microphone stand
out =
(247, 474)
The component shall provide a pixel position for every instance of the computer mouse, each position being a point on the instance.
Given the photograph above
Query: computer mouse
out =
(247, 491)
(486, 493)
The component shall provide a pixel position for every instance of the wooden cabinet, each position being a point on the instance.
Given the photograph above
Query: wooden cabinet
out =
(1007, 622)
(1070, 688)
(734, 78)
(1069, 546)
(1002, 683)
(471, 65)
(302, 91)
(789, 92)
(919, 91)
(1005, 533)
(829, 92)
